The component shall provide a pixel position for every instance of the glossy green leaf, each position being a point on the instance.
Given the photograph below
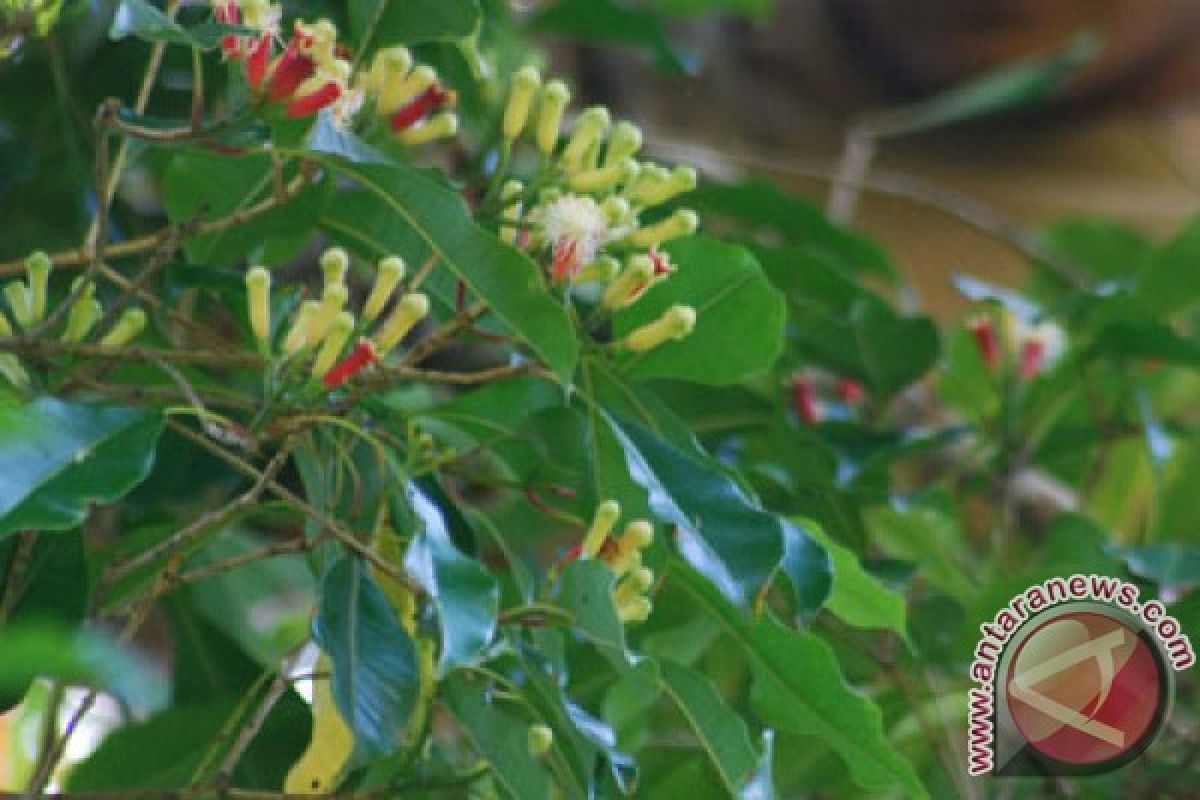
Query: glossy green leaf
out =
(739, 316)
(1173, 565)
(80, 657)
(808, 567)
(585, 591)
(857, 597)
(719, 729)
(375, 673)
(503, 277)
(499, 734)
(376, 24)
(464, 592)
(719, 529)
(1149, 340)
(931, 539)
(57, 458)
(798, 687)
(855, 333)
(1103, 247)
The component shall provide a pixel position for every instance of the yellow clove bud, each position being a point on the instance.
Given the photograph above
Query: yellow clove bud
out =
(681, 223)
(603, 521)
(541, 739)
(636, 582)
(627, 554)
(627, 287)
(333, 344)
(600, 178)
(656, 185)
(604, 268)
(624, 142)
(589, 129)
(258, 298)
(438, 126)
(333, 300)
(675, 324)
(387, 276)
(83, 315)
(131, 323)
(411, 309)
(397, 92)
(37, 267)
(389, 68)
(297, 338)
(525, 84)
(555, 97)
(19, 303)
(334, 263)
(635, 609)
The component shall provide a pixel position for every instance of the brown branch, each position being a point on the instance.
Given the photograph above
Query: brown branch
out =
(144, 244)
(333, 526)
(52, 347)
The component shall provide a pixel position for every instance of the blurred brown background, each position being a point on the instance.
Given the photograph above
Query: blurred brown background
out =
(1122, 142)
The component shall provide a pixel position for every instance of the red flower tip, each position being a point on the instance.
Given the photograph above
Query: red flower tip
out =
(362, 355)
(292, 69)
(851, 391)
(229, 14)
(258, 58)
(661, 265)
(420, 107)
(565, 261)
(1032, 355)
(804, 400)
(985, 338)
(312, 103)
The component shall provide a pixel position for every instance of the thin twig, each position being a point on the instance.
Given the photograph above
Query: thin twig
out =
(333, 526)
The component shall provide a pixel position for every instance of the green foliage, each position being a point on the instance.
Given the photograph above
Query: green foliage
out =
(624, 510)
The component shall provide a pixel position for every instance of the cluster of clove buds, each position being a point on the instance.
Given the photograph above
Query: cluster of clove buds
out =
(312, 73)
(324, 328)
(583, 213)
(1004, 338)
(27, 304)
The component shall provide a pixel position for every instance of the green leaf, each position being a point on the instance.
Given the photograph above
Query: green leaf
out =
(719, 529)
(465, 593)
(1146, 341)
(376, 24)
(808, 567)
(585, 590)
(1172, 565)
(1170, 280)
(758, 10)
(375, 673)
(855, 333)
(721, 732)
(506, 279)
(200, 183)
(610, 21)
(57, 458)
(799, 688)
(1023, 83)
(83, 657)
(498, 735)
(143, 20)
(739, 316)
(53, 588)
(858, 598)
(1101, 246)
(764, 212)
(931, 539)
